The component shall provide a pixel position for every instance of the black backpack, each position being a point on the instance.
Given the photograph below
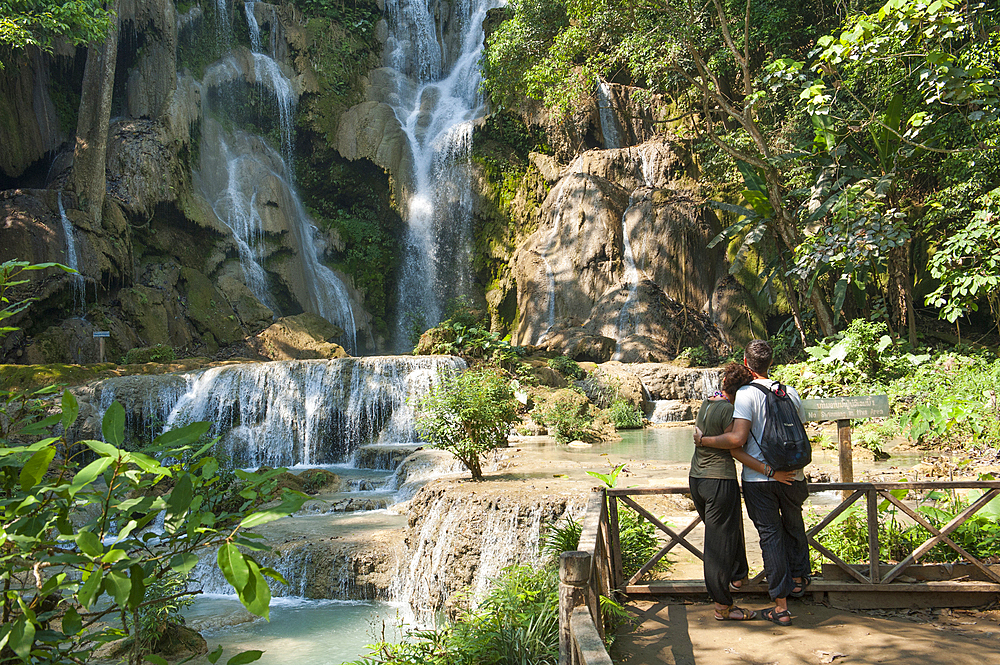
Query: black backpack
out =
(784, 443)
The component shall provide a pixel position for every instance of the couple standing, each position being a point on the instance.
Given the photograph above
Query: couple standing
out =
(730, 426)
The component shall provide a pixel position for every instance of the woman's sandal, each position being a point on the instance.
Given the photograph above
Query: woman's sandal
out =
(774, 616)
(727, 615)
(800, 587)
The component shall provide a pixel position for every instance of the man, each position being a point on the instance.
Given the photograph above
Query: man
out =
(774, 507)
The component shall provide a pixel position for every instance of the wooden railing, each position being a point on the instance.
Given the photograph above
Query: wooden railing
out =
(873, 493)
(584, 576)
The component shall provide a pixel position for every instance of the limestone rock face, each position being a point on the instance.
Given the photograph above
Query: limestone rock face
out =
(666, 381)
(460, 536)
(143, 167)
(613, 380)
(372, 131)
(565, 266)
(301, 337)
(157, 316)
(29, 125)
(208, 310)
(254, 314)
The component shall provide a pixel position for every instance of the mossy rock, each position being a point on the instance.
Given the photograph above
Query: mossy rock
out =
(209, 310)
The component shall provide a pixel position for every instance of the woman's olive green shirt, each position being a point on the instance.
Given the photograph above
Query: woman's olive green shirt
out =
(714, 417)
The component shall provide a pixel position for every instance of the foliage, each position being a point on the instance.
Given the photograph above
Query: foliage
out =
(150, 354)
(468, 414)
(567, 367)
(25, 23)
(92, 525)
(847, 535)
(625, 415)
(696, 355)
(458, 339)
(568, 420)
(517, 622)
(561, 537)
(76, 525)
(636, 535)
(967, 264)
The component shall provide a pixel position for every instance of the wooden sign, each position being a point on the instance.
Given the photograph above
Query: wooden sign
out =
(847, 408)
(102, 333)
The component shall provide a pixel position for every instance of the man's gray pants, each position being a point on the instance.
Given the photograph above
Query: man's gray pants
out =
(776, 511)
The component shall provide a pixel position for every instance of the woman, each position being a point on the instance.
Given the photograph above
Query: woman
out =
(716, 495)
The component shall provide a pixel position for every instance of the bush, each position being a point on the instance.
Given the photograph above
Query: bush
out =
(567, 367)
(569, 421)
(150, 354)
(625, 415)
(468, 415)
(696, 355)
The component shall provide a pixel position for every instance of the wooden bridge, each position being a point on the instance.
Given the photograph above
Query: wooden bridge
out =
(595, 569)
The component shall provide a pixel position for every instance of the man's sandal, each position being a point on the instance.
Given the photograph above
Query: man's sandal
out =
(727, 614)
(800, 587)
(736, 585)
(774, 616)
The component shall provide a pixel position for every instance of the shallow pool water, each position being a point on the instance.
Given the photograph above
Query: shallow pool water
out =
(303, 632)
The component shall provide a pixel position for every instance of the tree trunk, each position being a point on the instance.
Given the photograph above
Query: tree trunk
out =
(89, 157)
(898, 304)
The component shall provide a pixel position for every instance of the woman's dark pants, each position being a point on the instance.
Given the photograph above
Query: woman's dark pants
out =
(718, 504)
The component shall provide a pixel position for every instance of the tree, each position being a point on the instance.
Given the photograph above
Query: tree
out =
(468, 414)
(79, 541)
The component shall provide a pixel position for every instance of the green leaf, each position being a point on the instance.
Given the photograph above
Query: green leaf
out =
(119, 586)
(290, 503)
(71, 622)
(89, 543)
(178, 503)
(245, 657)
(156, 660)
(103, 449)
(87, 474)
(214, 656)
(233, 566)
(35, 468)
(91, 588)
(138, 592)
(70, 410)
(256, 595)
(183, 562)
(113, 425)
(182, 436)
(21, 637)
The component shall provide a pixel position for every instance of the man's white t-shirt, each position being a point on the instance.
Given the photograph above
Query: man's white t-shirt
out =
(751, 405)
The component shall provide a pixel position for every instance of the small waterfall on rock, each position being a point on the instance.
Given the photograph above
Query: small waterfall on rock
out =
(244, 178)
(72, 259)
(546, 251)
(606, 112)
(437, 102)
(626, 323)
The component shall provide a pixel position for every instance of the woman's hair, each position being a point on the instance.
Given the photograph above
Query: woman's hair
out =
(734, 377)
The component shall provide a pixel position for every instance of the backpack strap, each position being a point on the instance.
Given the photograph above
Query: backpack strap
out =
(769, 391)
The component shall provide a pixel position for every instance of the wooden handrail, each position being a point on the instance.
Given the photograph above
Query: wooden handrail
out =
(871, 492)
(584, 576)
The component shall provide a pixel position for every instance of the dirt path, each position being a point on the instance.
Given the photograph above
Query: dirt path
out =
(688, 634)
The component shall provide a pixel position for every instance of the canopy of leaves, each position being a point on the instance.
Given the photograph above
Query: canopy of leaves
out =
(41, 23)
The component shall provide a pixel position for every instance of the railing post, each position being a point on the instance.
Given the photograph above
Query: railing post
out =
(574, 574)
(874, 572)
(614, 531)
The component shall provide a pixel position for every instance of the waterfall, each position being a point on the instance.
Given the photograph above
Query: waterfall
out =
(625, 324)
(546, 250)
(310, 411)
(243, 178)
(252, 26)
(606, 112)
(72, 259)
(442, 70)
(711, 381)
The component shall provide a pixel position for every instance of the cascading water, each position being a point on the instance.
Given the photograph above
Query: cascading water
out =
(606, 113)
(72, 259)
(438, 102)
(546, 250)
(240, 175)
(626, 323)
